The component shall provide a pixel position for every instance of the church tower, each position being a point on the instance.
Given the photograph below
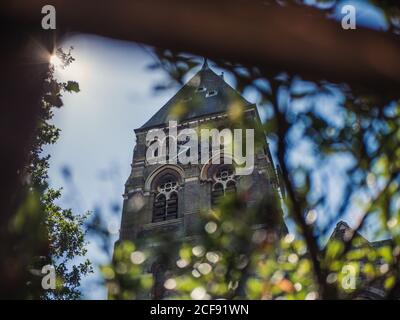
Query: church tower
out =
(167, 198)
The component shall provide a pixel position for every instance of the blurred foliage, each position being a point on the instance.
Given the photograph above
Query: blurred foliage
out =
(232, 258)
(389, 8)
(126, 278)
(40, 222)
(65, 229)
(357, 136)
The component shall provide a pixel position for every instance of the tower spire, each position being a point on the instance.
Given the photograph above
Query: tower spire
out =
(205, 64)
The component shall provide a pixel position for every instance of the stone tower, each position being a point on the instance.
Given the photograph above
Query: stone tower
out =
(167, 198)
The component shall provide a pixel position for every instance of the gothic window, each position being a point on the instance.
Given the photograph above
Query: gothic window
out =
(165, 205)
(160, 204)
(172, 206)
(224, 183)
(230, 187)
(217, 193)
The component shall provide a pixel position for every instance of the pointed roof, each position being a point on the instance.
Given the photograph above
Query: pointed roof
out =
(205, 94)
(343, 232)
(205, 64)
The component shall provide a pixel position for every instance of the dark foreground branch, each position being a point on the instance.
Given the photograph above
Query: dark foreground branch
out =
(296, 39)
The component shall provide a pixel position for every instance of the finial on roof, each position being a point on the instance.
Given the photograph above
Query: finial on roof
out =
(205, 64)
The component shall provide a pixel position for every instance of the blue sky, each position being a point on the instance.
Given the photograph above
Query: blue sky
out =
(97, 138)
(91, 160)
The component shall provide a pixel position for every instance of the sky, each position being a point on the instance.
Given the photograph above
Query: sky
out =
(91, 161)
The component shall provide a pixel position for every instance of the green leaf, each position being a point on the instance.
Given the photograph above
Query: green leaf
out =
(72, 86)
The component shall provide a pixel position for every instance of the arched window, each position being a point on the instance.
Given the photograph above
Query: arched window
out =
(165, 205)
(216, 193)
(224, 183)
(230, 187)
(160, 203)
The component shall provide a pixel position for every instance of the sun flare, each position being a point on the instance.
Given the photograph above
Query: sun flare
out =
(55, 60)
